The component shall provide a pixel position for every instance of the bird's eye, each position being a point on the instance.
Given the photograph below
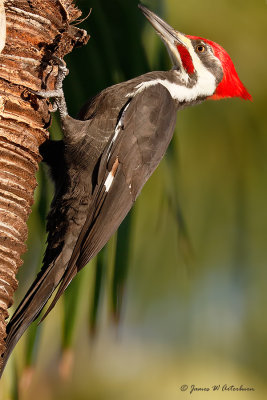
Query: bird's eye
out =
(201, 48)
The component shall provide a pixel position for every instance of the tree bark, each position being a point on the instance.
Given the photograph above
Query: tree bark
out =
(35, 30)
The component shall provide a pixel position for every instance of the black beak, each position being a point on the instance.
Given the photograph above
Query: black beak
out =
(169, 36)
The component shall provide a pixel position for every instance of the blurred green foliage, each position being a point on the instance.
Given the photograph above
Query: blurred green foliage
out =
(190, 266)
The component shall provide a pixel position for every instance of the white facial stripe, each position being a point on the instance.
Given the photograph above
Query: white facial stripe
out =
(185, 40)
(205, 86)
(198, 65)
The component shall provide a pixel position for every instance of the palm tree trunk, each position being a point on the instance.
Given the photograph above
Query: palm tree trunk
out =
(35, 30)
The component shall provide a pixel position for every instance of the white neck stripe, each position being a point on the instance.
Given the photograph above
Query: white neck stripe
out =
(205, 86)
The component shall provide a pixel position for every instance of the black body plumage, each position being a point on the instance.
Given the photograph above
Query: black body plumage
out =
(84, 214)
(105, 159)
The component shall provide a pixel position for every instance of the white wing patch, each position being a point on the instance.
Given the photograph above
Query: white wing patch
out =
(117, 131)
(108, 181)
(111, 175)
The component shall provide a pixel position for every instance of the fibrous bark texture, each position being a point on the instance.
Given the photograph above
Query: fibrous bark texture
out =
(36, 30)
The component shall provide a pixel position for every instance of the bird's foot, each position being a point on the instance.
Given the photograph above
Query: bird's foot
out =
(57, 94)
(62, 72)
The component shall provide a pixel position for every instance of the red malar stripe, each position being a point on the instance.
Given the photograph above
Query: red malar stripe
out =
(186, 59)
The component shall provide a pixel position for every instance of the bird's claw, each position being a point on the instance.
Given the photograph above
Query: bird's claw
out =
(58, 60)
(54, 107)
(57, 93)
(45, 94)
(61, 65)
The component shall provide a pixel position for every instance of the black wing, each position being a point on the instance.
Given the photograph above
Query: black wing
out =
(147, 126)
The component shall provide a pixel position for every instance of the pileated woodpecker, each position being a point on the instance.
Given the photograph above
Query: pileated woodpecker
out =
(109, 153)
